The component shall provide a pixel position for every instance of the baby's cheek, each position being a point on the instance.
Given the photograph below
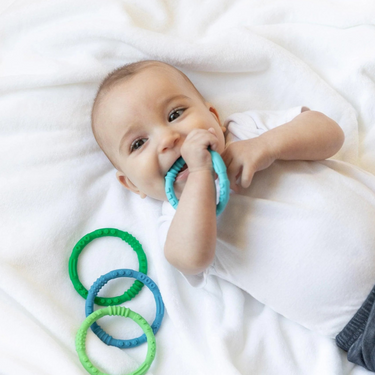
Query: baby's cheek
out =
(157, 190)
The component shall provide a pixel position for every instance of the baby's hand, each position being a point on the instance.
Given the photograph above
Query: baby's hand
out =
(194, 149)
(244, 158)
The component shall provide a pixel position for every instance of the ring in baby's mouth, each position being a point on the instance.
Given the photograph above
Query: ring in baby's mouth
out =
(178, 170)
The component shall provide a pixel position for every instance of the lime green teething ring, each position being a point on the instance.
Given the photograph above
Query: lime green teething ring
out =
(104, 232)
(117, 311)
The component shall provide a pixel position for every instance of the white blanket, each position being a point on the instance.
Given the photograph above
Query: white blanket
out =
(56, 185)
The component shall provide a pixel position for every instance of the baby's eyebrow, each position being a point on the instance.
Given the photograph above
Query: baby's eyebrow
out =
(173, 97)
(132, 128)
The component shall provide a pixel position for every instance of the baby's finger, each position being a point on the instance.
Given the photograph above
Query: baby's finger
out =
(202, 138)
(214, 142)
(233, 171)
(210, 140)
(246, 177)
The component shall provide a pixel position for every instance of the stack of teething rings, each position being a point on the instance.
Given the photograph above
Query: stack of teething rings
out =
(92, 317)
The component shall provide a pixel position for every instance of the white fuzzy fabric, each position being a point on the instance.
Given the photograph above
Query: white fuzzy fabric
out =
(56, 185)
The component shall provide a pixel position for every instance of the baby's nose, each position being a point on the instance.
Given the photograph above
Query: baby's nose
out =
(168, 140)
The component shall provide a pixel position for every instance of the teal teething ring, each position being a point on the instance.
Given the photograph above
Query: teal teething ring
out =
(220, 169)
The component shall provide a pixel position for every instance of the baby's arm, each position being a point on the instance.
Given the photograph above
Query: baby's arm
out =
(191, 239)
(309, 136)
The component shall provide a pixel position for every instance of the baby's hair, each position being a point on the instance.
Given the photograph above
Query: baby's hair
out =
(125, 72)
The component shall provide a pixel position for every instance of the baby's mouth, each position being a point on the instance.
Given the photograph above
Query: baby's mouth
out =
(182, 173)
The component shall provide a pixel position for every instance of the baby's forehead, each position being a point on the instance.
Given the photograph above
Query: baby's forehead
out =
(156, 74)
(145, 88)
(155, 83)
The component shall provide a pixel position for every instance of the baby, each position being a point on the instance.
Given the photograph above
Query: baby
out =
(297, 231)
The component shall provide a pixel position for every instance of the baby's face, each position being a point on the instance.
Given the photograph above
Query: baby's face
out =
(147, 119)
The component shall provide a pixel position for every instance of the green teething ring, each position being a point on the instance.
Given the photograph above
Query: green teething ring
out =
(105, 232)
(117, 311)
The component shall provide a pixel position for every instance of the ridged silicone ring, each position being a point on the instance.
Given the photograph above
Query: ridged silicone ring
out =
(111, 232)
(219, 167)
(98, 284)
(117, 311)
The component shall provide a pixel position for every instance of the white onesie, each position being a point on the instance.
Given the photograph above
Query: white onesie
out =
(300, 239)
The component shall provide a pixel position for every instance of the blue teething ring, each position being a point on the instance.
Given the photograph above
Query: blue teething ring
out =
(100, 282)
(220, 169)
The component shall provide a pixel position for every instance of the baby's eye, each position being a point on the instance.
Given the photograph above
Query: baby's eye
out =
(175, 114)
(137, 144)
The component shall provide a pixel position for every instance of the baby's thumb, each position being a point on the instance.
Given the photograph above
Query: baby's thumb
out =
(213, 145)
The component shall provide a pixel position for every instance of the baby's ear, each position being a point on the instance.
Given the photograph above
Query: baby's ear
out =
(124, 181)
(213, 110)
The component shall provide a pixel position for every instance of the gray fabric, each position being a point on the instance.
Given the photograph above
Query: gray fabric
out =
(358, 336)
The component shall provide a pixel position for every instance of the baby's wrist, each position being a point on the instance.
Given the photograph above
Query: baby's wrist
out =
(201, 170)
(270, 145)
